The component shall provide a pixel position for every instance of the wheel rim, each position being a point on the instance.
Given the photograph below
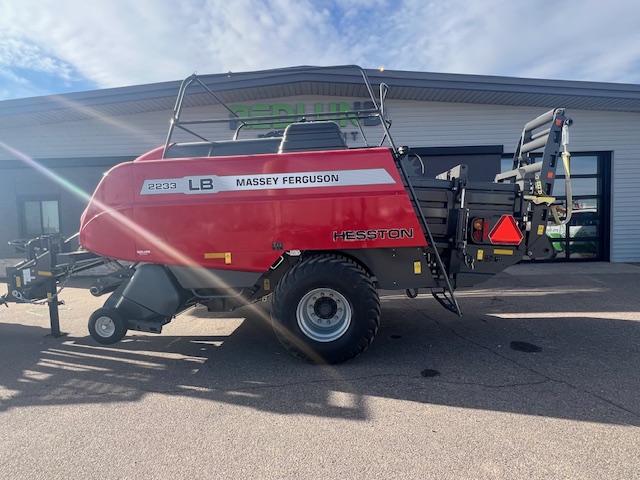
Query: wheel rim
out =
(324, 315)
(105, 327)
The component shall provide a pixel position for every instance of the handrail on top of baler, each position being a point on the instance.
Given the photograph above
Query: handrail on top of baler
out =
(378, 111)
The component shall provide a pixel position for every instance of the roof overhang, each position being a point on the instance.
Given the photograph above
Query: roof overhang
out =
(341, 81)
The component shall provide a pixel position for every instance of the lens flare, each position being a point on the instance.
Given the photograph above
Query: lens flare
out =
(179, 257)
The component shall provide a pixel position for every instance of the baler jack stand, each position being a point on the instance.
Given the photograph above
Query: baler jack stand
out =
(54, 314)
(48, 262)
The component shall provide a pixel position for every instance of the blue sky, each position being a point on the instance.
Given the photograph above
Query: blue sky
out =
(49, 46)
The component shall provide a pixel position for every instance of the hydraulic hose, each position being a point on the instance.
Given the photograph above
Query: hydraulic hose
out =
(566, 161)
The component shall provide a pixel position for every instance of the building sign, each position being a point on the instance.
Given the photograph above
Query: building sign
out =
(297, 112)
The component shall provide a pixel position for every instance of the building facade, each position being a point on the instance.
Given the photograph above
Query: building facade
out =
(55, 149)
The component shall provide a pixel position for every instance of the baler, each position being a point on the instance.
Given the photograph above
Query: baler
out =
(300, 217)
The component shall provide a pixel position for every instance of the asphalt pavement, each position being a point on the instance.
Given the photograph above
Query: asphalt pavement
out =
(539, 379)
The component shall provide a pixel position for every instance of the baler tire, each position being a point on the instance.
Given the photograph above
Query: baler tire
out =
(306, 310)
(106, 326)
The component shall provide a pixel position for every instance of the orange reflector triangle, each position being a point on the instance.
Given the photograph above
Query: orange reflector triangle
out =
(506, 232)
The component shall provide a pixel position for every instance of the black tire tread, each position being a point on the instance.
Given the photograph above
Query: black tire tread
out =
(121, 325)
(336, 265)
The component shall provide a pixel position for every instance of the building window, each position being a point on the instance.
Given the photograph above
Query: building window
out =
(39, 216)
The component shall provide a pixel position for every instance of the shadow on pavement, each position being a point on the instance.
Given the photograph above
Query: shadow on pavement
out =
(540, 346)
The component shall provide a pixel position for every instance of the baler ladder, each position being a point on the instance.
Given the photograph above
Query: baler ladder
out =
(446, 297)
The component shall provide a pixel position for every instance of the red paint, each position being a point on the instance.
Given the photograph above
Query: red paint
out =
(180, 229)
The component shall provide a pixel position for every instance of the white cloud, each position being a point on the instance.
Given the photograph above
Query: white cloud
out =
(136, 41)
(569, 39)
(125, 42)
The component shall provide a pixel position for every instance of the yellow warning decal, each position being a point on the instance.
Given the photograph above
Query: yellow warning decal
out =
(214, 255)
(45, 274)
(480, 255)
(540, 229)
(267, 285)
(499, 251)
(417, 268)
(18, 282)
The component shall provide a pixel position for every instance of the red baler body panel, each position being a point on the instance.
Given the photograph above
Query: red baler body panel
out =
(242, 212)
